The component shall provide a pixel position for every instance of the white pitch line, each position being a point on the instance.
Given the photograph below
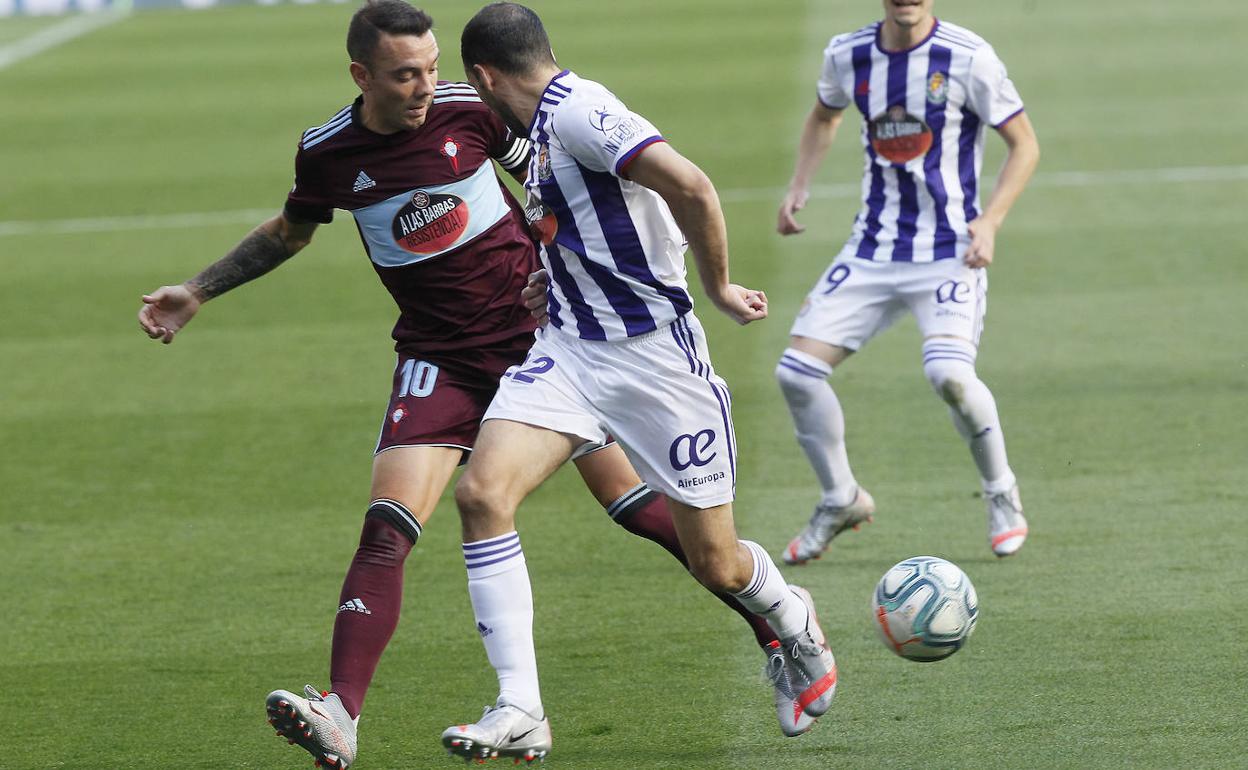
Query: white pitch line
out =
(1186, 174)
(1200, 174)
(59, 33)
(141, 222)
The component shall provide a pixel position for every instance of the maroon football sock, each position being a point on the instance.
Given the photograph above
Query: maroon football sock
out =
(644, 512)
(372, 594)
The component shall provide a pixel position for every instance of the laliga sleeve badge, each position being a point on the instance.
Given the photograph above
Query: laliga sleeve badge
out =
(602, 120)
(450, 150)
(898, 136)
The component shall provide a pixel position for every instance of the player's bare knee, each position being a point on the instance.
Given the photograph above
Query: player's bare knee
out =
(478, 500)
(717, 572)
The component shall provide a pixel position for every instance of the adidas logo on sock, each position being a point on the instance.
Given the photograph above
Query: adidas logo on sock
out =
(362, 182)
(483, 629)
(354, 605)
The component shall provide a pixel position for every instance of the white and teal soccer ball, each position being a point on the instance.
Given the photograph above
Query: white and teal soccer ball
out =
(925, 608)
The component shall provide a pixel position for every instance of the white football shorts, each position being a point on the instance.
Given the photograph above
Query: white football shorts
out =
(856, 299)
(657, 394)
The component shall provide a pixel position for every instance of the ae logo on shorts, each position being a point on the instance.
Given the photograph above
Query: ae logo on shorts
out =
(687, 450)
(956, 292)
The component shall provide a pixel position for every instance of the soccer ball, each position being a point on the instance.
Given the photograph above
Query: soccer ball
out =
(925, 608)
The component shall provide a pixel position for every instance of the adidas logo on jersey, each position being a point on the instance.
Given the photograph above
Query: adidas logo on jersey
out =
(362, 182)
(354, 605)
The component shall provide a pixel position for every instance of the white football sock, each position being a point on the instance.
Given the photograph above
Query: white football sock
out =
(769, 596)
(819, 421)
(950, 367)
(502, 601)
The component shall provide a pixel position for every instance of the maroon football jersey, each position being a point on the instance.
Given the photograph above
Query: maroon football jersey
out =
(446, 237)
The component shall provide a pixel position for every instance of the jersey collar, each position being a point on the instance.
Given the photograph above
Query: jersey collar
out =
(554, 93)
(879, 37)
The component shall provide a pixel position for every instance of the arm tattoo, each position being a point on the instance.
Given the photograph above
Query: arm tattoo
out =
(255, 255)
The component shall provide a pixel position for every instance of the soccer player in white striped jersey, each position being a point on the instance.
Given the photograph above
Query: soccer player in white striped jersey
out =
(622, 354)
(926, 90)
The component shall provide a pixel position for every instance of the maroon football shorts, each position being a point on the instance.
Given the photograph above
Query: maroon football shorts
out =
(438, 399)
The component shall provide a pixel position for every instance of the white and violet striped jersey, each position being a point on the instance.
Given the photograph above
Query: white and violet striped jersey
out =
(924, 110)
(613, 251)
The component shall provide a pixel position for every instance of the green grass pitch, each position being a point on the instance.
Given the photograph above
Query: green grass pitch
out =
(175, 521)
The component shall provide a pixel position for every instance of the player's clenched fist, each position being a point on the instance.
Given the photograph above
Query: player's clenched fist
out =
(983, 242)
(166, 310)
(741, 304)
(534, 295)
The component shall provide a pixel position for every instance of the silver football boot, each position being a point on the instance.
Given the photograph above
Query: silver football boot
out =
(793, 720)
(1007, 529)
(318, 723)
(826, 523)
(811, 666)
(502, 731)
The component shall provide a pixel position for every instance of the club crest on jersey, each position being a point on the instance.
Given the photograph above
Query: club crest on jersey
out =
(430, 223)
(450, 150)
(938, 88)
(898, 136)
(396, 417)
(544, 170)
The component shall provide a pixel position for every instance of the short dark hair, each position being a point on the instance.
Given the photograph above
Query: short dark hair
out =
(506, 36)
(394, 17)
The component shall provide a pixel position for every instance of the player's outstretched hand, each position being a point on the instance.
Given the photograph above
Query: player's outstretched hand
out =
(794, 201)
(166, 310)
(741, 304)
(983, 241)
(534, 295)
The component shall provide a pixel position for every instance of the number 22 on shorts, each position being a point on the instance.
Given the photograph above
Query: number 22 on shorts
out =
(531, 369)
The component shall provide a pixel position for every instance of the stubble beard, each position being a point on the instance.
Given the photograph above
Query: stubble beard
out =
(509, 117)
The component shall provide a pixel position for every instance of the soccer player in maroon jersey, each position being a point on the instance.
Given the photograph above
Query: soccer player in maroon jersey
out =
(410, 159)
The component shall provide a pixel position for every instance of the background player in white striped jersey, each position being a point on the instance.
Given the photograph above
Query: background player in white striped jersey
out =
(622, 353)
(925, 89)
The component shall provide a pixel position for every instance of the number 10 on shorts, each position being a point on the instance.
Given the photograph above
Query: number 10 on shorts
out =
(418, 378)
